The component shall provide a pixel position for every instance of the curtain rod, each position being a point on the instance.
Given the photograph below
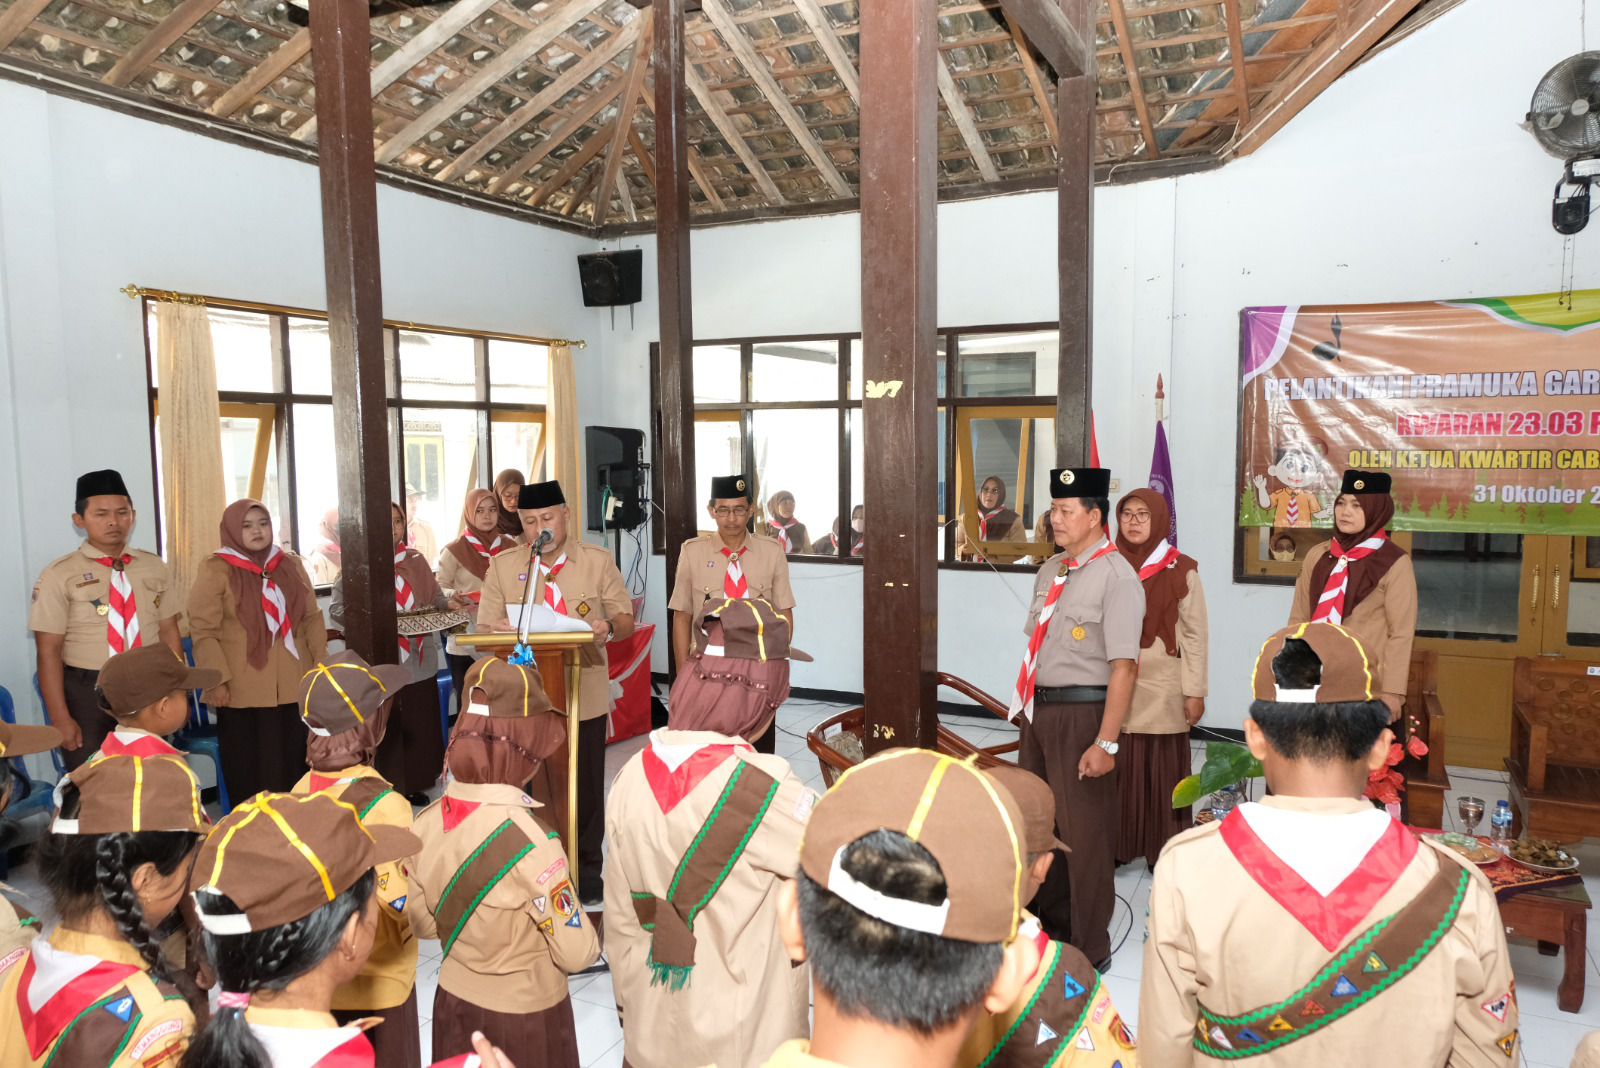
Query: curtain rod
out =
(135, 291)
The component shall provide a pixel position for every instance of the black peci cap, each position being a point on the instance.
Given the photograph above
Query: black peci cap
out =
(1366, 482)
(107, 483)
(1080, 482)
(541, 495)
(727, 487)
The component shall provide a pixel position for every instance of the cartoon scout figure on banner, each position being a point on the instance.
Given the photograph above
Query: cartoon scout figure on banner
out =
(1298, 466)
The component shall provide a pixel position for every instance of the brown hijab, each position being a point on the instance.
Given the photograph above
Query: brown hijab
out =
(728, 695)
(1366, 573)
(246, 584)
(1164, 589)
(415, 570)
(503, 749)
(358, 745)
(464, 550)
(510, 524)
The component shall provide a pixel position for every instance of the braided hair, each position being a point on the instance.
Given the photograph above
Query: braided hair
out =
(268, 959)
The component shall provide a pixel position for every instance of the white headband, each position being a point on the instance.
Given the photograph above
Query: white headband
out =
(911, 915)
(1297, 697)
(232, 923)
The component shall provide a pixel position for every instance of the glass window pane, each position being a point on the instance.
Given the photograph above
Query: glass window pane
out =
(441, 458)
(1010, 459)
(855, 367)
(316, 491)
(242, 342)
(310, 357)
(1583, 609)
(517, 445)
(437, 367)
(858, 477)
(1467, 584)
(717, 451)
(795, 371)
(797, 452)
(238, 458)
(519, 373)
(1008, 365)
(716, 374)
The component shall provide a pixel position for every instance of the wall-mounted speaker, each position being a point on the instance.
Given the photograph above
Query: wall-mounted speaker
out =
(611, 278)
(614, 471)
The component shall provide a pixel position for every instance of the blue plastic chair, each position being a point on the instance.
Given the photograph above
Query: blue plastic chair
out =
(55, 754)
(199, 736)
(447, 686)
(33, 796)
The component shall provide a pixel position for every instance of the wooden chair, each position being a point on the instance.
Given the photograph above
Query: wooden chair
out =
(838, 754)
(1554, 764)
(1426, 778)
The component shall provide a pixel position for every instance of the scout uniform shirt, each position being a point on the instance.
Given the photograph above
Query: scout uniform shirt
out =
(1164, 680)
(386, 979)
(702, 568)
(1004, 525)
(72, 589)
(743, 996)
(1064, 1017)
(133, 741)
(1384, 621)
(81, 999)
(1265, 925)
(18, 928)
(495, 891)
(592, 589)
(1098, 618)
(303, 1038)
(220, 642)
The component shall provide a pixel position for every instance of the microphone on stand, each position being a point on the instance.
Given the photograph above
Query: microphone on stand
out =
(544, 538)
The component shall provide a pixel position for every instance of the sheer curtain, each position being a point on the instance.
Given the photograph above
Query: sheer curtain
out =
(191, 448)
(561, 431)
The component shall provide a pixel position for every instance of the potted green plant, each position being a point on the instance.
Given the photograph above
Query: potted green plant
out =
(1227, 764)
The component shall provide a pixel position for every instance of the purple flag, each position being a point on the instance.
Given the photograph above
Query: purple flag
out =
(1161, 480)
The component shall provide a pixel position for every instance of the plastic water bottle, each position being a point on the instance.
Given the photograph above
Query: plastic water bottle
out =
(1500, 827)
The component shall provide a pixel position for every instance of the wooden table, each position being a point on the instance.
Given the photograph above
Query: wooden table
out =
(1558, 919)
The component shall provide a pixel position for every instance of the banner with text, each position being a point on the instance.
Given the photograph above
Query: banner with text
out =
(1486, 412)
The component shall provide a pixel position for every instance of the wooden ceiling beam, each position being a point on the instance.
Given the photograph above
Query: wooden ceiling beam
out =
(1047, 110)
(632, 88)
(759, 69)
(162, 36)
(546, 98)
(1055, 33)
(558, 136)
(730, 133)
(625, 197)
(582, 194)
(962, 117)
(1119, 20)
(527, 46)
(691, 158)
(18, 17)
(1230, 11)
(641, 155)
(573, 165)
(263, 74)
(1368, 21)
(832, 46)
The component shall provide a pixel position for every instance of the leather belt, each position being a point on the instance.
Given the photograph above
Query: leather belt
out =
(1069, 695)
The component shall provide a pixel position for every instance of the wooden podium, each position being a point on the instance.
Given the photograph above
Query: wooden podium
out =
(559, 658)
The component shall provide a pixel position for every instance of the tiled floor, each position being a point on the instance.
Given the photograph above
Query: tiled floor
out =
(1549, 1035)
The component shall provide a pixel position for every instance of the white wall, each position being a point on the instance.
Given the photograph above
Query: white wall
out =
(102, 200)
(1373, 193)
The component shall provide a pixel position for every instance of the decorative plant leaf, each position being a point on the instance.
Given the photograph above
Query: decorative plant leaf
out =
(1226, 764)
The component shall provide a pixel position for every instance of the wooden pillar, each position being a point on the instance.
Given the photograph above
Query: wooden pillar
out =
(899, 157)
(672, 278)
(341, 48)
(1075, 117)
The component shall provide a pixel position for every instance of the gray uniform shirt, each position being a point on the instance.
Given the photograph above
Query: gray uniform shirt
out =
(1098, 618)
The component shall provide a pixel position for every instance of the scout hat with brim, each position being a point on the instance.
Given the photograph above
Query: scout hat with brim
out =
(1036, 803)
(280, 857)
(737, 680)
(752, 629)
(1346, 670)
(138, 678)
(25, 739)
(971, 827)
(125, 794)
(507, 728)
(495, 687)
(343, 691)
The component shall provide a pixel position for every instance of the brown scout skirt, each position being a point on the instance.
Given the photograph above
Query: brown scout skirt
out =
(397, 1040)
(1151, 765)
(547, 1038)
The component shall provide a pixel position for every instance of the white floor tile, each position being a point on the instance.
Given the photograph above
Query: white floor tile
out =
(611, 1058)
(598, 1031)
(597, 992)
(1547, 1041)
(1124, 998)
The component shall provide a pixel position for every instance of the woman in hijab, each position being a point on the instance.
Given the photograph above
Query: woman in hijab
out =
(1170, 695)
(783, 527)
(507, 485)
(829, 546)
(254, 617)
(1364, 582)
(326, 560)
(411, 755)
(464, 562)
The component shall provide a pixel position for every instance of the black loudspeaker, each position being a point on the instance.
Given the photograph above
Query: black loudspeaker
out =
(614, 460)
(611, 278)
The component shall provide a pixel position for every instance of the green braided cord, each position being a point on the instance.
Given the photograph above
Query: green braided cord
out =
(738, 851)
(369, 805)
(133, 1021)
(31, 921)
(638, 895)
(672, 976)
(551, 834)
(1026, 1009)
(1064, 1047)
(484, 890)
(1394, 976)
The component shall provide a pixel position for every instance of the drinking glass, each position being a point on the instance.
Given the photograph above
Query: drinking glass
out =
(1470, 809)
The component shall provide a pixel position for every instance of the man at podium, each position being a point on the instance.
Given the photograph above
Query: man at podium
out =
(580, 582)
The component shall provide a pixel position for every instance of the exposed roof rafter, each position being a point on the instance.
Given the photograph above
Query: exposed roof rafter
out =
(1130, 67)
(162, 36)
(962, 117)
(268, 71)
(632, 87)
(558, 137)
(18, 17)
(730, 133)
(832, 47)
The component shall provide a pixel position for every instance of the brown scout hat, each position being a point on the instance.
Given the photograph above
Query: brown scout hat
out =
(972, 828)
(752, 629)
(280, 857)
(511, 690)
(140, 677)
(124, 794)
(24, 739)
(343, 691)
(1036, 803)
(1346, 670)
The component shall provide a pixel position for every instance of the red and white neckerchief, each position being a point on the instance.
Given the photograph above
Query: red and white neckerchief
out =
(1330, 606)
(1291, 511)
(273, 605)
(405, 600)
(552, 592)
(57, 986)
(122, 616)
(733, 583)
(314, 1047)
(1162, 556)
(126, 742)
(1022, 699)
(983, 522)
(780, 530)
(501, 544)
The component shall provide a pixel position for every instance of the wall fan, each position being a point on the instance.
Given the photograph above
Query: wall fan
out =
(1565, 119)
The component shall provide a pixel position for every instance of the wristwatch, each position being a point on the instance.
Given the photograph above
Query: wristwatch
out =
(1110, 747)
